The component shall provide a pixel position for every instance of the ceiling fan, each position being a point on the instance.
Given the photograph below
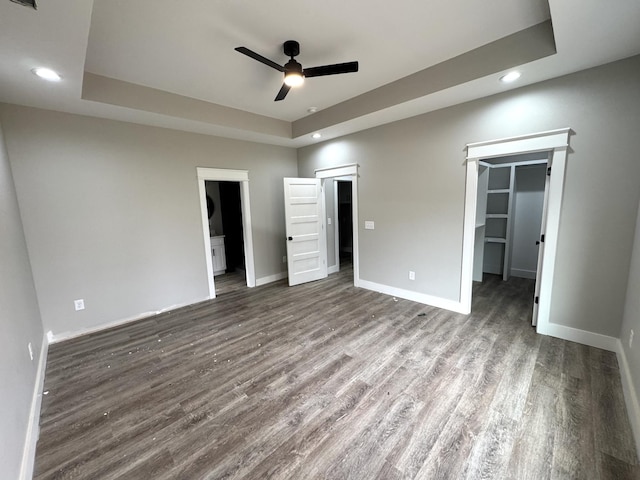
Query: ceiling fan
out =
(294, 74)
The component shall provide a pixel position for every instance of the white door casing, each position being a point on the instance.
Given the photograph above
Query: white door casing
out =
(336, 224)
(541, 243)
(348, 172)
(305, 230)
(227, 175)
(556, 142)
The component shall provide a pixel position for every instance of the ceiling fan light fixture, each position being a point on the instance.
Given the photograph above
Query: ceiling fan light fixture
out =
(293, 75)
(293, 79)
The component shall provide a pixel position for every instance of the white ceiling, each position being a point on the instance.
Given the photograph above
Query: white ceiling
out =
(186, 49)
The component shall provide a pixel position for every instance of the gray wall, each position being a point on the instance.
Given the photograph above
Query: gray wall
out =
(19, 324)
(412, 185)
(632, 313)
(111, 212)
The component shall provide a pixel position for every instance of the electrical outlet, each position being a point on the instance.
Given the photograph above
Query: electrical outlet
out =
(631, 339)
(78, 304)
(369, 225)
(284, 259)
(412, 275)
(30, 350)
(329, 220)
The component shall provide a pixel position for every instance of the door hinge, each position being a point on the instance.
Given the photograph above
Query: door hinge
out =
(542, 237)
(537, 300)
(549, 171)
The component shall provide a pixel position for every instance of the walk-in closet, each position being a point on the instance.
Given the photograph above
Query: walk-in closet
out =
(509, 216)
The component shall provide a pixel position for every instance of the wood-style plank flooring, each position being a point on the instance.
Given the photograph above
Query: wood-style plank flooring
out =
(328, 381)
(230, 282)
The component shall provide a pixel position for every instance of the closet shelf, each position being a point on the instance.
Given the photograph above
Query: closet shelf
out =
(497, 215)
(499, 190)
(478, 225)
(495, 240)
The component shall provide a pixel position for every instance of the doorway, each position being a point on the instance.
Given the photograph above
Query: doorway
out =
(344, 223)
(240, 179)
(306, 223)
(557, 143)
(339, 218)
(344, 186)
(509, 231)
(224, 206)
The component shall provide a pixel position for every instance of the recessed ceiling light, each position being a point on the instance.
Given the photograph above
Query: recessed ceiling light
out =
(312, 109)
(47, 74)
(510, 77)
(316, 136)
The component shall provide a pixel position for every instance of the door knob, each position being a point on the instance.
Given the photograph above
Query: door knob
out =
(290, 238)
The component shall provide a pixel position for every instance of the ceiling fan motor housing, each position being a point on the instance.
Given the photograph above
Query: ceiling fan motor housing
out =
(291, 48)
(292, 67)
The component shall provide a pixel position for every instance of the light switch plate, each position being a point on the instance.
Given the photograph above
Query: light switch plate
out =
(369, 225)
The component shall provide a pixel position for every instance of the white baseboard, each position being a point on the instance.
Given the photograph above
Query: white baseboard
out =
(60, 337)
(630, 395)
(518, 272)
(270, 278)
(454, 306)
(333, 269)
(33, 428)
(579, 336)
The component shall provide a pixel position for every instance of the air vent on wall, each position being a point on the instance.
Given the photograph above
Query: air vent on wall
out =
(27, 3)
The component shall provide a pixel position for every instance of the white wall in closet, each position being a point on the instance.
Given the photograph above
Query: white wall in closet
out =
(528, 203)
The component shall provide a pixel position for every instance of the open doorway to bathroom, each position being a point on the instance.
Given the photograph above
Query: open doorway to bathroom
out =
(224, 209)
(213, 227)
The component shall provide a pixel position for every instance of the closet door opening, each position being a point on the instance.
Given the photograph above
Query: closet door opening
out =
(556, 144)
(510, 212)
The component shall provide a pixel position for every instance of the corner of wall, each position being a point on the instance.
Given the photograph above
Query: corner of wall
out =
(630, 397)
(584, 337)
(33, 428)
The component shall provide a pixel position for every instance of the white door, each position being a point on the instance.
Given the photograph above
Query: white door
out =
(306, 238)
(540, 243)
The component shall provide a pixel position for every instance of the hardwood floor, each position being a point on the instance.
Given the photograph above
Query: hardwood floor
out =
(332, 382)
(230, 282)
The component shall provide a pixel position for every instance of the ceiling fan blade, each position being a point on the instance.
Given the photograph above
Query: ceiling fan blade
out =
(260, 58)
(348, 67)
(283, 92)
